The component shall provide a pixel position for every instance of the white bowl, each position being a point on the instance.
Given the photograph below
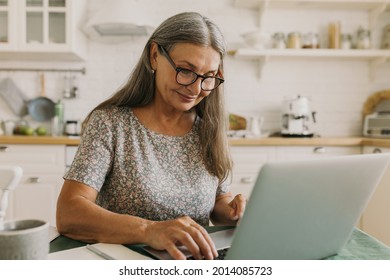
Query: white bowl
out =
(257, 39)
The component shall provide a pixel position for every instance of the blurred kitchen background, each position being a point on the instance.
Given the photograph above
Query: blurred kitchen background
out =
(257, 85)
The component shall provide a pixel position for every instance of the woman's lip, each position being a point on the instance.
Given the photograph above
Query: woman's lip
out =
(186, 97)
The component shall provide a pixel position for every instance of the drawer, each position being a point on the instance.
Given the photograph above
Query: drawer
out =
(34, 158)
(251, 155)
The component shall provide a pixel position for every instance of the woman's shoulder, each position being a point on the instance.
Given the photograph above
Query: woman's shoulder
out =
(111, 113)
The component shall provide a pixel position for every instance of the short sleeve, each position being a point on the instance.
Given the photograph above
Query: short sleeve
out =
(95, 154)
(223, 188)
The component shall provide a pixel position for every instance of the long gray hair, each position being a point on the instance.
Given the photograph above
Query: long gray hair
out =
(188, 27)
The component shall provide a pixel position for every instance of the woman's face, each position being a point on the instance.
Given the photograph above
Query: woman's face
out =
(204, 60)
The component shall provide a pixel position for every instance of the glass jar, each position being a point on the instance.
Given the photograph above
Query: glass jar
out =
(346, 41)
(279, 41)
(386, 37)
(294, 40)
(363, 39)
(311, 41)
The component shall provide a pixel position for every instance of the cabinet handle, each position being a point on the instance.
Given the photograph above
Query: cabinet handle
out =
(247, 180)
(319, 150)
(377, 151)
(34, 180)
(3, 149)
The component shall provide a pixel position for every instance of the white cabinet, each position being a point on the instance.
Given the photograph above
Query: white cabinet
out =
(247, 162)
(302, 152)
(376, 216)
(7, 21)
(42, 30)
(43, 168)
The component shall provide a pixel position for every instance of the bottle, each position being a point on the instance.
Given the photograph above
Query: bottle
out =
(334, 30)
(58, 119)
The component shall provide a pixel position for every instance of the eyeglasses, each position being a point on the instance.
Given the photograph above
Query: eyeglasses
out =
(186, 77)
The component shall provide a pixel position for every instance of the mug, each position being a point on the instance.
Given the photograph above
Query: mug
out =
(9, 127)
(24, 240)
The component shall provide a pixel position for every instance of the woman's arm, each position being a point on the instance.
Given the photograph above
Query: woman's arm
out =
(79, 217)
(228, 210)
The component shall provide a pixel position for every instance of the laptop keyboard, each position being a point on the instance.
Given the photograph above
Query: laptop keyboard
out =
(221, 254)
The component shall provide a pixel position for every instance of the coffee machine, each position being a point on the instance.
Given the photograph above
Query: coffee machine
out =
(297, 118)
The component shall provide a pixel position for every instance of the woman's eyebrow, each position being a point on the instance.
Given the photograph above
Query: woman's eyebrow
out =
(194, 67)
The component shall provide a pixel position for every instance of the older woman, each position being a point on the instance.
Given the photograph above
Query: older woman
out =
(153, 160)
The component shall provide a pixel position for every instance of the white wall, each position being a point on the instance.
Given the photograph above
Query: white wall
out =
(337, 88)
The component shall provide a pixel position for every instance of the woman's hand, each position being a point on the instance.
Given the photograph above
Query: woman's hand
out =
(167, 235)
(228, 211)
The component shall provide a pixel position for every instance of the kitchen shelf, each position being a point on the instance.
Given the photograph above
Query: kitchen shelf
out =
(373, 7)
(374, 57)
(366, 5)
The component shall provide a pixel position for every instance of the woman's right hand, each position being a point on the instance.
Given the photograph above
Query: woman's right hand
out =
(167, 235)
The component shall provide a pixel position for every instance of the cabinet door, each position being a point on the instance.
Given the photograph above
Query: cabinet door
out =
(376, 216)
(292, 153)
(43, 24)
(43, 167)
(36, 197)
(8, 28)
(247, 162)
(34, 158)
(42, 30)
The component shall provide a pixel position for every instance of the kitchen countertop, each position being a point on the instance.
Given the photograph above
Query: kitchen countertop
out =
(40, 140)
(268, 141)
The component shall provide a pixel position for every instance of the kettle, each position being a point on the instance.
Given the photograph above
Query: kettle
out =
(297, 118)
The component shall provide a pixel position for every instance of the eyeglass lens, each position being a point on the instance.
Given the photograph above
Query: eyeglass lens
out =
(187, 77)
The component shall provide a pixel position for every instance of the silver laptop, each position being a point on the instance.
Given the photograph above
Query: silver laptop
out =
(304, 209)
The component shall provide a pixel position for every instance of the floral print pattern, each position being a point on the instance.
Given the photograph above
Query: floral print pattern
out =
(139, 172)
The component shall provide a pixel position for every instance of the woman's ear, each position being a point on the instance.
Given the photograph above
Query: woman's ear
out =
(153, 54)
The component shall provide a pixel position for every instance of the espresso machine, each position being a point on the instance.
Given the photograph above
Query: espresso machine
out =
(297, 118)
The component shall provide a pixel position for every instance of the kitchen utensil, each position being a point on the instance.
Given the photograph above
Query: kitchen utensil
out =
(24, 240)
(9, 126)
(10, 176)
(41, 108)
(14, 97)
(255, 124)
(297, 118)
(257, 39)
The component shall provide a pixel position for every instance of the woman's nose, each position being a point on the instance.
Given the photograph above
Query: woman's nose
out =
(196, 87)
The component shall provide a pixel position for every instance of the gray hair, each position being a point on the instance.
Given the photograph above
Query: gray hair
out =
(188, 27)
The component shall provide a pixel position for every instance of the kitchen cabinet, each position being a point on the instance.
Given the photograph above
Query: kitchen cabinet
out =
(43, 168)
(374, 9)
(247, 162)
(304, 152)
(376, 216)
(42, 30)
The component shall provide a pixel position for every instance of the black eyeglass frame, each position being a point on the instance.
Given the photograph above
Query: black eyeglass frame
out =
(180, 69)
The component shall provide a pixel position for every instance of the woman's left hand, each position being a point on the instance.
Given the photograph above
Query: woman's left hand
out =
(228, 211)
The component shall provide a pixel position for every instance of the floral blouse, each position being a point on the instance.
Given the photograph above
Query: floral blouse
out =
(139, 172)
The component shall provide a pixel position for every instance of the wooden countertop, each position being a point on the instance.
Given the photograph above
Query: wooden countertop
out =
(40, 140)
(270, 141)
